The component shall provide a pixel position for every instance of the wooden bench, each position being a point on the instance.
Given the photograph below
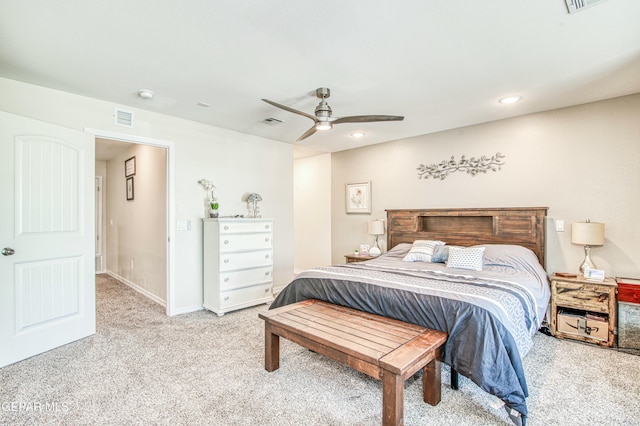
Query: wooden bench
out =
(383, 348)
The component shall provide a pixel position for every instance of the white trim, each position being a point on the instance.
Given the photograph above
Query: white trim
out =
(171, 207)
(188, 309)
(137, 288)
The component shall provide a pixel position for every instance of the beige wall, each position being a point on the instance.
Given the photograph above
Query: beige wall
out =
(136, 234)
(581, 162)
(201, 151)
(312, 211)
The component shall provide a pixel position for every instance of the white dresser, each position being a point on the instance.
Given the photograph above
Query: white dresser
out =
(238, 263)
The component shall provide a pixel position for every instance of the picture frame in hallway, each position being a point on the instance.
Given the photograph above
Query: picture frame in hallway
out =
(130, 167)
(130, 189)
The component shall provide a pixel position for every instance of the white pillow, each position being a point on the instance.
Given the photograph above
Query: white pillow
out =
(422, 250)
(465, 258)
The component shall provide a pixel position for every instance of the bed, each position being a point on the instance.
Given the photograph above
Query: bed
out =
(429, 277)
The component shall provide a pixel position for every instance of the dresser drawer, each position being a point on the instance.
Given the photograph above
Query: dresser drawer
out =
(244, 296)
(239, 242)
(238, 279)
(590, 297)
(245, 227)
(253, 259)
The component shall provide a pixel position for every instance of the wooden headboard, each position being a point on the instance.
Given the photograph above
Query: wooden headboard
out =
(524, 226)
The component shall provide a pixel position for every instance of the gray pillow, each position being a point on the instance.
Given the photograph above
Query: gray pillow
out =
(440, 254)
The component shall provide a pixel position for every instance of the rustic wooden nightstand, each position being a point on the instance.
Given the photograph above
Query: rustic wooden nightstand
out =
(357, 258)
(584, 309)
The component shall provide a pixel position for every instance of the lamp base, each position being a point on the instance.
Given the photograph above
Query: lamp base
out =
(374, 251)
(587, 263)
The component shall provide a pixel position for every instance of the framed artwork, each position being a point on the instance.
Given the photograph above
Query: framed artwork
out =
(130, 188)
(358, 197)
(130, 167)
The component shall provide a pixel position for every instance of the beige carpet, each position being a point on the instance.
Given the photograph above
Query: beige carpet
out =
(142, 367)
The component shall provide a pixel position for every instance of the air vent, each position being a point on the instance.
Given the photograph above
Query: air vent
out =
(272, 121)
(577, 5)
(123, 118)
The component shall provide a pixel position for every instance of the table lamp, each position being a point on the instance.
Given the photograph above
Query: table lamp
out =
(375, 227)
(588, 234)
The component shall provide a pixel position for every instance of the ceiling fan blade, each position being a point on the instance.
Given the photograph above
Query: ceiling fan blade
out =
(308, 133)
(286, 108)
(367, 118)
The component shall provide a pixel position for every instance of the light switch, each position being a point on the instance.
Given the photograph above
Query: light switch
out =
(560, 225)
(181, 225)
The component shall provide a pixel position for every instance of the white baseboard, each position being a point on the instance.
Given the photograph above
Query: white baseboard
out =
(142, 291)
(187, 309)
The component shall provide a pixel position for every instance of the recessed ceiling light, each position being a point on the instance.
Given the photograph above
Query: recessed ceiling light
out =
(510, 99)
(203, 104)
(357, 134)
(146, 94)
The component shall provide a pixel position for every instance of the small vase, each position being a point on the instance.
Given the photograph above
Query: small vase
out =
(213, 213)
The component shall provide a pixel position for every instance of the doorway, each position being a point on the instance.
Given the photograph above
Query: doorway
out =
(137, 215)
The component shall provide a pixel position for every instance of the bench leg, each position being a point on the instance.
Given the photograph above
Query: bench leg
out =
(431, 381)
(392, 399)
(271, 349)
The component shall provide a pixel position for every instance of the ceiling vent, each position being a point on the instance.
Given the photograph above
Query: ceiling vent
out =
(577, 5)
(122, 118)
(272, 121)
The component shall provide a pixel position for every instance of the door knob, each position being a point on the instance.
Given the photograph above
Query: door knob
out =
(7, 251)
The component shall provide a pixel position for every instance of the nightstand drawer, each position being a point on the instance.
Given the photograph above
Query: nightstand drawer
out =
(590, 297)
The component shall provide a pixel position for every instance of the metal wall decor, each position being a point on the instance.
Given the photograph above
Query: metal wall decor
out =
(472, 166)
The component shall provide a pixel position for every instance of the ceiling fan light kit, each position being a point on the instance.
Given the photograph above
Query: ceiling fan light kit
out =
(324, 121)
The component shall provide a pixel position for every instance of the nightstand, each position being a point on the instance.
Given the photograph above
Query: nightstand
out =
(357, 258)
(583, 309)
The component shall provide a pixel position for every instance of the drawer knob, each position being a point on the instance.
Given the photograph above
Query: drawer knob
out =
(267, 273)
(226, 241)
(226, 227)
(226, 261)
(266, 227)
(226, 279)
(226, 298)
(266, 290)
(266, 239)
(266, 256)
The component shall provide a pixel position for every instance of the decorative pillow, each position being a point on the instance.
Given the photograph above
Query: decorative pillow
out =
(422, 250)
(465, 258)
(440, 254)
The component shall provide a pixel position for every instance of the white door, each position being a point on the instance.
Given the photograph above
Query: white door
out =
(47, 281)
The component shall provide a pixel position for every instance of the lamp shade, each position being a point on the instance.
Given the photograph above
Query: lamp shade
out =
(587, 233)
(375, 227)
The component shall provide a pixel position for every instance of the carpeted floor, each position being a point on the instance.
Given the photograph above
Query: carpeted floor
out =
(142, 367)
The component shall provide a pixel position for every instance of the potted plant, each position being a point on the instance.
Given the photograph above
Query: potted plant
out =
(213, 212)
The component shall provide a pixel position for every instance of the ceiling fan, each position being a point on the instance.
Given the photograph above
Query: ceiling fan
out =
(323, 119)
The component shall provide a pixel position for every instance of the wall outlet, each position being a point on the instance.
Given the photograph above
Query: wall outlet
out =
(560, 225)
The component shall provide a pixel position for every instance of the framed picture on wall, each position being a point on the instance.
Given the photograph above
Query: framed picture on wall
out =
(358, 197)
(130, 167)
(130, 188)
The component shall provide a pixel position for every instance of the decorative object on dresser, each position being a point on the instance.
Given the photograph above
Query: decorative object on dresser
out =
(584, 310)
(375, 227)
(628, 313)
(211, 202)
(587, 234)
(472, 166)
(238, 263)
(252, 204)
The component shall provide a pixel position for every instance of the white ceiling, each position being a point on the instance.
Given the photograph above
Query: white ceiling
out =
(442, 64)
